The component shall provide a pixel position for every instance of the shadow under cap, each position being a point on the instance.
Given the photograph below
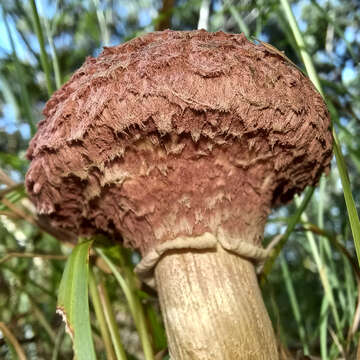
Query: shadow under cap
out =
(175, 135)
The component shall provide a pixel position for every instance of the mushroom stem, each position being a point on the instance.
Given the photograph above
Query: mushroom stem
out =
(212, 307)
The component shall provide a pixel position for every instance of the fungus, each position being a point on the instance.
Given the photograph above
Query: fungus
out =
(178, 144)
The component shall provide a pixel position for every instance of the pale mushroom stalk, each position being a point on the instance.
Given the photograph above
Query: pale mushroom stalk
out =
(179, 144)
(212, 307)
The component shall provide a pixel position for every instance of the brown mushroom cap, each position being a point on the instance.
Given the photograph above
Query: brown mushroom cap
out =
(177, 134)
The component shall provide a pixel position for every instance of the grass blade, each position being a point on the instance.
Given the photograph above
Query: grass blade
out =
(73, 301)
(309, 65)
(95, 299)
(323, 273)
(323, 320)
(156, 327)
(340, 33)
(294, 303)
(239, 20)
(43, 54)
(20, 77)
(54, 58)
(349, 200)
(111, 322)
(104, 31)
(135, 307)
(291, 226)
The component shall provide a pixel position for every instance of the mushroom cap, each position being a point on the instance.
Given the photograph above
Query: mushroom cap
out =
(178, 134)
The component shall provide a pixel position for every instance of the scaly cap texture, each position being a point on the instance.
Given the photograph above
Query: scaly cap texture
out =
(175, 135)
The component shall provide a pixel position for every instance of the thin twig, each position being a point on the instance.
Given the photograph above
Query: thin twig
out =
(160, 355)
(12, 339)
(10, 189)
(31, 216)
(356, 320)
(10, 215)
(274, 241)
(272, 244)
(11, 255)
(6, 179)
(337, 342)
(333, 239)
(20, 212)
(291, 226)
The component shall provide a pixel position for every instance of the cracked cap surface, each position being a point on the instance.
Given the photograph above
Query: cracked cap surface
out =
(177, 134)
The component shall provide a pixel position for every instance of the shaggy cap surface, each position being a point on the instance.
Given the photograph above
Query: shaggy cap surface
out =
(177, 134)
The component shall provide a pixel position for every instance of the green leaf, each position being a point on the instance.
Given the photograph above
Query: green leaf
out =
(73, 301)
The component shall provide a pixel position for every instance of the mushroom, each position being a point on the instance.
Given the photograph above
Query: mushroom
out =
(178, 144)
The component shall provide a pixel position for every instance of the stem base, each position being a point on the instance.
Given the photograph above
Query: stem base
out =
(212, 307)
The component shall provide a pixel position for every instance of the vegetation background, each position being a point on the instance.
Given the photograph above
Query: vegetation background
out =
(312, 291)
